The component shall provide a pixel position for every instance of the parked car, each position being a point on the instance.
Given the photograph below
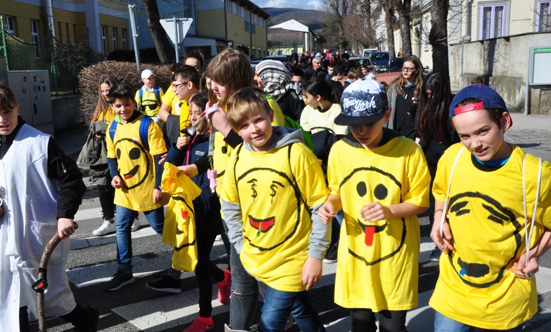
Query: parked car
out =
(276, 57)
(255, 62)
(363, 61)
(380, 61)
(395, 64)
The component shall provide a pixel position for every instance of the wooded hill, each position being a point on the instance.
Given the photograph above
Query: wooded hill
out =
(311, 18)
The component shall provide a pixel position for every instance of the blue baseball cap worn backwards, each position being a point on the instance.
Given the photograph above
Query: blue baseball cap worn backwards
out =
(363, 102)
(488, 96)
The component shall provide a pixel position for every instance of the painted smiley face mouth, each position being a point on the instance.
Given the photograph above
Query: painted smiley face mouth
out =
(370, 231)
(263, 225)
(474, 270)
(132, 172)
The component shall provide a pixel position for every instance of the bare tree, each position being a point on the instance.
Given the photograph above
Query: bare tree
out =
(390, 23)
(162, 44)
(438, 37)
(403, 7)
(337, 10)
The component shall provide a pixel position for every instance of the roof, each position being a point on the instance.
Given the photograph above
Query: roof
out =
(293, 25)
(249, 5)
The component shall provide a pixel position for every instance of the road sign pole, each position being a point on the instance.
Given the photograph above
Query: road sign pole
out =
(176, 43)
(134, 35)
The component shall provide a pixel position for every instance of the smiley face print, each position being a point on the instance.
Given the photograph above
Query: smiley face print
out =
(482, 256)
(379, 241)
(137, 166)
(261, 189)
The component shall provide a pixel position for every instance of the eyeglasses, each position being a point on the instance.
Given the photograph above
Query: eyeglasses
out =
(177, 86)
(408, 69)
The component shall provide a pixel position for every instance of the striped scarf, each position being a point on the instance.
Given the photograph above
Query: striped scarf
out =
(276, 79)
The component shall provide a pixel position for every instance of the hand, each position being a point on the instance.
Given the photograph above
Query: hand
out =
(157, 196)
(116, 182)
(162, 159)
(445, 243)
(374, 212)
(311, 272)
(189, 170)
(418, 141)
(65, 227)
(522, 271)
(326, 212)
(182, 142)
(219, 121)
(98, 136)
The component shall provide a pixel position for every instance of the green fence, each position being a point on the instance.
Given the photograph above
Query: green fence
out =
(63, 61)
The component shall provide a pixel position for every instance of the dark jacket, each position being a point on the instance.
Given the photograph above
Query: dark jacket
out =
(291, 105)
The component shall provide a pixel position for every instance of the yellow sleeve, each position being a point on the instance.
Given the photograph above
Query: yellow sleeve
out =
(156, 141)
(304, 123)
(332, 177)
(137, 97)
(309, 175)
(418, 178)
(167, 97)
(111, 153)
(440, 184)
(543, 213)
(161, 94)
(229, 191)
(279, 119)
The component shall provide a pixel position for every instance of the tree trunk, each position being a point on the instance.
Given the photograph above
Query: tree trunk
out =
(404, 7)
(164, 50)
(390, 19)
(438, 37)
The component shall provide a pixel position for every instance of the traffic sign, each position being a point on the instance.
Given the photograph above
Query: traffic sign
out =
(176, 28)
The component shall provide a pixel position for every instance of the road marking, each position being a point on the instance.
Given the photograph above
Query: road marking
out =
(93, 240)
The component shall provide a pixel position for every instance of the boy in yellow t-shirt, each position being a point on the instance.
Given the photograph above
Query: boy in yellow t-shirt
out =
(149, 96)
(134, 146)
(271, 192)
(484, 281)
(381, 191)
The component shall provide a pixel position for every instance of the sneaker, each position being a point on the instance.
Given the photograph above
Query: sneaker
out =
(166, 284)
(91, 320)
(200, 325)
(135, 225)
(289, 323)
(435, 254)
(107, 227)
(120, 278)
(331, 255)
(224, 288)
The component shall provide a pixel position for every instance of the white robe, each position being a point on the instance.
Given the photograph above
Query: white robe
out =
(28, 224)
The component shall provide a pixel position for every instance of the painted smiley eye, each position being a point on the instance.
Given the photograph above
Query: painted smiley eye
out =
(380, 191)
(118, 153)
(361, 189)
(134, 153)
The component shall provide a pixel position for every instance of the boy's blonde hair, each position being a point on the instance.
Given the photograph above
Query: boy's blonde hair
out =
(243, 103)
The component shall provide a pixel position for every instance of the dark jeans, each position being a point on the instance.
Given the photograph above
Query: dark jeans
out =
(432, 171)
(205, 271)
(277, 307)
(244, 297)
(106, 197)
(363, 320)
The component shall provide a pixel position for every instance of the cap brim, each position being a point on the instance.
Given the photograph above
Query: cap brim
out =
(344, 120)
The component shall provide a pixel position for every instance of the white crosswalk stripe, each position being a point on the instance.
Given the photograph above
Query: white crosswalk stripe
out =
(167, 312)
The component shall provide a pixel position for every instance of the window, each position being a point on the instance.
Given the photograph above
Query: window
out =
(426, 33)
(246, 26)
(123, 37)
(543, 18)
(59, 32)
(34, 34)
(104, 41)
(75, 32)
(492, 21)
(253, 28)
(10, 24)
(68, 33)
(114, 37)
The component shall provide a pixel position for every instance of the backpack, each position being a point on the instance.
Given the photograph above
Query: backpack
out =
(144, 131)
(157, 92)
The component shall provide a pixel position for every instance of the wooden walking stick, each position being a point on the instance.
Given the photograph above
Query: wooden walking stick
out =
(42, 283)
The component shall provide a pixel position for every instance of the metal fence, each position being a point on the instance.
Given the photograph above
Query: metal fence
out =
(283, 49)
(63, 61)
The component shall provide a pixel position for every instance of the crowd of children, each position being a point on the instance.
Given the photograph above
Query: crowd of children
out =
(376, 162)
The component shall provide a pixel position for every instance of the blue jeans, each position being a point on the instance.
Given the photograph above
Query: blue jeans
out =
(278, 305)
(123, 223)
(445, 324)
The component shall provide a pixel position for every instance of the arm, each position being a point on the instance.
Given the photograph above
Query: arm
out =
(442, 243)
(375, 211)
(519, 268)
(164, 111)
(234, 221)
(157, 193)
(320, 237)
(329, 209)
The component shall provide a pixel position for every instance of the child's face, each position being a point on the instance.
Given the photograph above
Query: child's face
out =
(104, 88)
(181, 89)
(124, 108)
(194, 63)
(364, 71)
(218, 89)
(481, 135)
(409, 71)
(194, 114)
(258, 80)
(149, 82)
(8, 120)
(311, 100)
(257, 130)
(370, 135)
(330, 71)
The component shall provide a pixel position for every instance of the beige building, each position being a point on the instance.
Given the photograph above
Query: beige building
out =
(290, 37)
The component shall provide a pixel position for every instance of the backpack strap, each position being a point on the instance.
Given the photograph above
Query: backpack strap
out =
(445, 210)
(157, 92)
(112, 130)
(528, 234)
(144, 131)
(295, 181)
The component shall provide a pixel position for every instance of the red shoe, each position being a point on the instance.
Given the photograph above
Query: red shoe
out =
(224, 288)
(201, 324)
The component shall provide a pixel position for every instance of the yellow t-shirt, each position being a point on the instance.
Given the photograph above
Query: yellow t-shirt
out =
(149, 105)
(177, 107)
(279, 119)
(486, 217)
(107, 116)
(136, 164)
(377, 265)
(276, 233)
(313, 120)
(179, 227)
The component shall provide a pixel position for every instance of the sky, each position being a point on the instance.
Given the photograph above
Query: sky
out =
(310, 4)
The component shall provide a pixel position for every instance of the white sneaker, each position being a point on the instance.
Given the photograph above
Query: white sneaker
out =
(107, 228)
(136, 225)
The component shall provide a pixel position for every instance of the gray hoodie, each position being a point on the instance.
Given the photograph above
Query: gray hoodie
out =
(320, 236)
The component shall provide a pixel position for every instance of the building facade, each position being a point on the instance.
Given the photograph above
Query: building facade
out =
(290, 37)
